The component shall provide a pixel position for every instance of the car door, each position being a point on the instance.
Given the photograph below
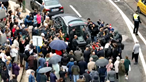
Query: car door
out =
(142, 6)
(145, 7)
(57, 23)
(38, 4)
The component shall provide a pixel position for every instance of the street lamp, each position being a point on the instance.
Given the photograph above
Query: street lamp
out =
(23, 7)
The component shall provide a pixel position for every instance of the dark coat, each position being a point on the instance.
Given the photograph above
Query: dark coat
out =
(87, 55)
(16, 69)
(100, 53)
(53, 78)
(31, 61)
(87, 76)
(88, 41)
(102, 71)
(82, 65)
(43, 78)
(69, 65)
(74, 44)
(78, 54)
(64, 60)
(96, 79)
(62, 74)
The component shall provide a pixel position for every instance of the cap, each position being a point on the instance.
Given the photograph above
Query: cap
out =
(42, 34)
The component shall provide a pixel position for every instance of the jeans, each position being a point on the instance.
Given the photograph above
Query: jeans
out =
(75, 77)
(26, 65)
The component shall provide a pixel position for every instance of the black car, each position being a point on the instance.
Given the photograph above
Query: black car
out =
(53, 7)
(69, 22)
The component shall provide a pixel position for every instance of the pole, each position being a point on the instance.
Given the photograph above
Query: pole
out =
(37, 47)
(23, 7)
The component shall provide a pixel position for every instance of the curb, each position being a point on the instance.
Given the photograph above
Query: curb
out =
(142, 19)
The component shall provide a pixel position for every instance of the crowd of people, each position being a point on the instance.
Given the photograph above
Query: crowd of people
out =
(76, 65)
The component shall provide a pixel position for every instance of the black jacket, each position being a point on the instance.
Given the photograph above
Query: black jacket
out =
(87, 76)
(64, 60)
(87, 55)
(82, 65)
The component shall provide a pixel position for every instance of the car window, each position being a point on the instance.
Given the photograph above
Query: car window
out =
(58, 22)
(78, 30)
(51, 2)
(40, 1)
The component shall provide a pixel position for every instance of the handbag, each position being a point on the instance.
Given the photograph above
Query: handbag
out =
(129, 68)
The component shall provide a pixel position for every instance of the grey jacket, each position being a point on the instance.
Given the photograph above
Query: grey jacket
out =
(136, 48)
(111, 75)
(78, 54)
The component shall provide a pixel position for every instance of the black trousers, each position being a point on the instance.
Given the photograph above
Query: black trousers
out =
(136, 57)
(136, 26)
(21, 58)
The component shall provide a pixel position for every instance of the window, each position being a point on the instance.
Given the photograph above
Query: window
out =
(40, 1)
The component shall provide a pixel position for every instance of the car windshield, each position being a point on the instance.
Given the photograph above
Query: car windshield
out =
(51, 2)
(78, 30)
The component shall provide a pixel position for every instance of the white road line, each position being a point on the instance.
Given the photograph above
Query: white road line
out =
(127, 21)
(75, 11)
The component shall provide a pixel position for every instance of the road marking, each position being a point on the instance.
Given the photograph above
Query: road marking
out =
(75, 11)
(127, 21)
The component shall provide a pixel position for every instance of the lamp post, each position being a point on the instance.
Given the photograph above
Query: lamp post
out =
(23, 10)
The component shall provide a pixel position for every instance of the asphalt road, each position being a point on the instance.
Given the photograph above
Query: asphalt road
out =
(104, 10)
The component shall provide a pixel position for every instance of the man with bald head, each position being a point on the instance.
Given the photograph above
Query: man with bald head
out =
(74, 42)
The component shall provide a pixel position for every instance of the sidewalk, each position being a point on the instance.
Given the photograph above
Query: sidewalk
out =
(14, 5)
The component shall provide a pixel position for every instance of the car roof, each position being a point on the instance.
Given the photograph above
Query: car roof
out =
(68, 18)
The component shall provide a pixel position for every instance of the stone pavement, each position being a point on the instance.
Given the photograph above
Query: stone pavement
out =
(13, 5)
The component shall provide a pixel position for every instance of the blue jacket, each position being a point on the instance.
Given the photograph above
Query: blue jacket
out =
(38, 74)
(42, 62)
(31, 78)
(53, 78)
(69, 65)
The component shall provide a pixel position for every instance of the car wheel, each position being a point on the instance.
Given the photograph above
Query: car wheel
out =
(32, 5)
(138, 9)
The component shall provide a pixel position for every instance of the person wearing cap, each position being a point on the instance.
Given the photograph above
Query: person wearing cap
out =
(136, 52)
(31, 77)
(75, 71)
(81, 79)
(69, 65)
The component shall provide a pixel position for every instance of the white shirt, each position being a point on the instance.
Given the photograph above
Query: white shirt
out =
(14, 52)
(16, 43)
(116, 64)
(3, 57)
(136, 48)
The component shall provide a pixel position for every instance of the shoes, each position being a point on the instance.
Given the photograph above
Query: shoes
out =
(135, 63)
(136, 34)
(21, 65)
(126, 78)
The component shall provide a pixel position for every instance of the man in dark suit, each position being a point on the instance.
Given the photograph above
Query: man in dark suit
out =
(87, 54)
(74, 43)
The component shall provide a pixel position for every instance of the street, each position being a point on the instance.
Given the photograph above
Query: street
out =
(104, 10)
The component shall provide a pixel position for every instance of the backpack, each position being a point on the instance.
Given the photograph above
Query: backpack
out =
(1, 66)
(3, 74)
(122, 46)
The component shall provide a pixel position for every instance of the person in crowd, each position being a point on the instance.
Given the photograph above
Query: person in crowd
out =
(43, 78)
(2, 64)
(42, 60)
(111, 75)
(53, 77)
(13, 79)
(93, 74)
(62, 74)
(74, 42)
(109, 66)
(31, 61)
(136, 19)
(21, 50)
(94, 56)
(121, 74)
(39, 19)
(75, 71)
(87, 76)
(78, 53)
(31, 77)
(56, 67)
(88, 39)
(102, 72)
(87, 54)
(116, 65)
(91, 65)
(14, 52)
(136, 52)
(127, 64)
(4, 74)
(81, 79)
(38, 74)
(82, 65)
(69, 65)
(71, 55)
(15, 69)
